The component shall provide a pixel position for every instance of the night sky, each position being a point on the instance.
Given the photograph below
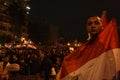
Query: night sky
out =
(70, 15)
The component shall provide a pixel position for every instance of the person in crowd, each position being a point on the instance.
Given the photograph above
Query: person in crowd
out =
(4, 73)
(32, 63)
(14, 59)
(58, 64)
(23, 72)
(45, 65)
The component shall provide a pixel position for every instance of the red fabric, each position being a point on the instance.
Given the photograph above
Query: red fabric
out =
(104, 19)
(108, 39)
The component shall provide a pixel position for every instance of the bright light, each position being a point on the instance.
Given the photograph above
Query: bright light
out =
(68, 44)
(30, 41)
(27, 7)
(22, 38)
(79, 44)
(71, 48)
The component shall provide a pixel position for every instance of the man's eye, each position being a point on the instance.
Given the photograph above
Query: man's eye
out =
(97, 23)
(89, 23)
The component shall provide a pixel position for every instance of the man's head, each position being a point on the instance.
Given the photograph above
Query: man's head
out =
(6, 58)
(94, 25)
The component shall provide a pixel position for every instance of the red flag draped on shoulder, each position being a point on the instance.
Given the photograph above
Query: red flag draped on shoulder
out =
(96, 61)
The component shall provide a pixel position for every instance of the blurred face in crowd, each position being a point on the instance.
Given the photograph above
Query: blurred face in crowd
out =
(22, 60)
(14, 57)
(94, 25)
(6, 59)
(41, 54)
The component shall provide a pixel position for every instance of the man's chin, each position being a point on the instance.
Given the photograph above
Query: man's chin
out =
(94, 34)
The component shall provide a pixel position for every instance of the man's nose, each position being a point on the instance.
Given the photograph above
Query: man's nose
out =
(93, 26)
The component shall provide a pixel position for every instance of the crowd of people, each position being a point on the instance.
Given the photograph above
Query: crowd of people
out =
(23, 63)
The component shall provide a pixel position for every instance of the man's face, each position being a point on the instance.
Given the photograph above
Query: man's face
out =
(6, 59)
(94, 25)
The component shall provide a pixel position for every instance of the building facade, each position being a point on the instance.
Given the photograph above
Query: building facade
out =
(14, 19)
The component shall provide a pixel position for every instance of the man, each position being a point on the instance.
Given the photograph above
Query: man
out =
(97, 58)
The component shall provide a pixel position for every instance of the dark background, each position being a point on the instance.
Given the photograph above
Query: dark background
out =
(70, 15)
